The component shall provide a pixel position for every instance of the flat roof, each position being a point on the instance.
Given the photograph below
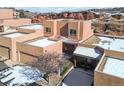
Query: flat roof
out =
(13, 35)
(111, 43)
(114, 67)
(88, 52)
(107, 42)
(42, 42)
(32, 26)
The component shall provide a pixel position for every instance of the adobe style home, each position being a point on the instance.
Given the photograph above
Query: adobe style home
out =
(70, 31)
(110, 70)
(29, 51)
(105, 55)
(10, 18)
(8, 43)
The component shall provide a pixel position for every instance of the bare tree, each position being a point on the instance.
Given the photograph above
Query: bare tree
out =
(49, 63)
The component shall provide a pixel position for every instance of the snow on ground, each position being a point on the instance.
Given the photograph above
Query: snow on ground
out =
(63, 84)
(111, 44)
(114, 67)
(20, 75)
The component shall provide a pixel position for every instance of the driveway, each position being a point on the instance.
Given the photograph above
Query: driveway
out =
(78, 77)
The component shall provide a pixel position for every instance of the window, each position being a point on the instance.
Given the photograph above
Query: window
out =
(72, 32)
(48, 30)
(1, 28)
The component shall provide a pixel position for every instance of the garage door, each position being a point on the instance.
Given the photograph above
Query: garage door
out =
(5, 52)
(26, 58)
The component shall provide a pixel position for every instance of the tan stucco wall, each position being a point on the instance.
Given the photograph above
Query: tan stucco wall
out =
(73, 25)
(62, 26)
(49, 24)
(29, 30)
(5, 42)
(87, 31)
(16, 22)
(4, 52)
(114, 54)
(103, 79)
(32, 52)
(11, 43)
(27, 59)
(55, 48)
(26, 30)
(29, 49)
(6, 13)
(83, 28)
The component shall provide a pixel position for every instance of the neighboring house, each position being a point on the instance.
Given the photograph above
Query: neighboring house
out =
(30, 50)
(8, 43)
(70, 31)
(9, 18)
(30, 28)
(109, 70)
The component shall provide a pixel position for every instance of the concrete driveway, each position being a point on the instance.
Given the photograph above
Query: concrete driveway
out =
(78, 77)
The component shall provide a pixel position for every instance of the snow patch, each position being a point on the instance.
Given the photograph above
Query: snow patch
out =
(21, 75)
(32, 27)
(111, 43)
(42, 42)
(114, 67)
(13, 35)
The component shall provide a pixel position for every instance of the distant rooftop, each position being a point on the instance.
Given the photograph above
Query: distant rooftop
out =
(68, 20)
(13, 35)
(42, 42)
(114, 67)
(32, 26)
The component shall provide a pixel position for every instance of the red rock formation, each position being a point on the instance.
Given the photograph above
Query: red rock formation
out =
(64, 15)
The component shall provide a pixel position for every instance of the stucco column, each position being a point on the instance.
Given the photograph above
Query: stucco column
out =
(55, 28)
(78, 32)
(13, 51)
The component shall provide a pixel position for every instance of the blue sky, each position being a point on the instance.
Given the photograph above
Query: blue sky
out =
(52, 9)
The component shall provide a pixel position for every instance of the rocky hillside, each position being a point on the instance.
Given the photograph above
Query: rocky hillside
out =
(65, 15)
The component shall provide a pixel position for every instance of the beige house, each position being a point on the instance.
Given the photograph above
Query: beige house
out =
(70, 31)
(10, 18)
(30, 50)
(30, 28)
(8, 43)
(109, 68)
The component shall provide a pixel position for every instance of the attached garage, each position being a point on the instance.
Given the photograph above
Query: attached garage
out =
(5, 52)
(24, 57)
(30, 51)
